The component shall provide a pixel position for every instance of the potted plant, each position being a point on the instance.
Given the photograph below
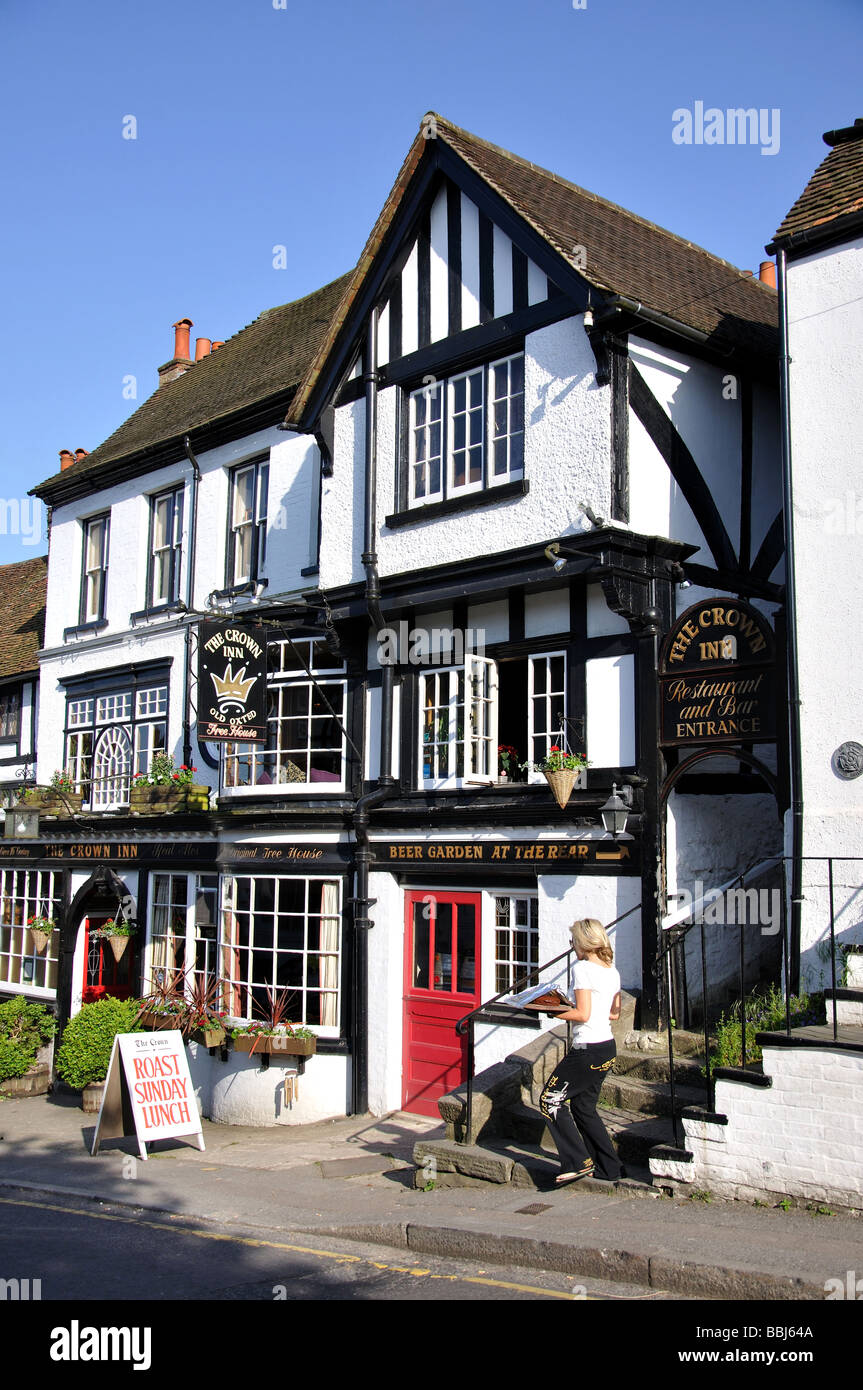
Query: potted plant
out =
(507, 762)
(205, 1021)
(167, 788)
(165, 1006)
(25, 1027)
(272, 1033)
(116, 932)
(41, 929)
(84, 1054)
(561, 770)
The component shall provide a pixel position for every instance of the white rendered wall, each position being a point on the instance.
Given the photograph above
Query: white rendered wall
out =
(567, 451)
(610, 684)
(800, 1137)
(825, 291)
(386, 994)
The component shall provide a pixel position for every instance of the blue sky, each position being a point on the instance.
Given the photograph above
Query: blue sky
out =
(260, 126)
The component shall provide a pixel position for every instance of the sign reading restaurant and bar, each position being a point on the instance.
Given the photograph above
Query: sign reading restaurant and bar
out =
(717, 676)
(232, 682)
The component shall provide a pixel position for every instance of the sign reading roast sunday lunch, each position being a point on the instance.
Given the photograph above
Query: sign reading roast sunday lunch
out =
(157, 1085)
(232, 682)
(717, 676)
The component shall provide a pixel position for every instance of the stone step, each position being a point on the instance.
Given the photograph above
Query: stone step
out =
(515, 1163)
(633, 1132)
(648, 1097)
(653, 1066)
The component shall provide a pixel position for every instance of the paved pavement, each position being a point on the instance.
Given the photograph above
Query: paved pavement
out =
(352, 1179)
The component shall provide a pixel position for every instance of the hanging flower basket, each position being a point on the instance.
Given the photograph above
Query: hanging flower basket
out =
(561, 784)
(118, 945)
(40, 939)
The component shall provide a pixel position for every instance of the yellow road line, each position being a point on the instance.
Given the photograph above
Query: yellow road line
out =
(282, 1245)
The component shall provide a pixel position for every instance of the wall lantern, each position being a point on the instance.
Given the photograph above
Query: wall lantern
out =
(615, 812)
(21, 824)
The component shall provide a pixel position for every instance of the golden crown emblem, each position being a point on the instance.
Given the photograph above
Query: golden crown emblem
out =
(233, 687)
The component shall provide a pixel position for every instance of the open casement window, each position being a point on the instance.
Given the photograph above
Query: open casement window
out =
(247, 543)
(466, 434)
(305, 745)
(95, 572)
(546, 705)
(166, 542)
(458, 724)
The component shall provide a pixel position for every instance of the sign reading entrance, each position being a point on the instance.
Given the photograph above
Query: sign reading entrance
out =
(717, 676)
(150, 1073)
(232, 682)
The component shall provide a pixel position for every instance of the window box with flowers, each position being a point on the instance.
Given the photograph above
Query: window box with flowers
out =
(59, 798)
(166, 788)
(284, 1040)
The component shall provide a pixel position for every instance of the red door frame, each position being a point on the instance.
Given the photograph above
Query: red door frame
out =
(436, 1009)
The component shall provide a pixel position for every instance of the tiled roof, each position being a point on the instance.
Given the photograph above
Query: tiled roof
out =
(836, 187)
(268, 357)
(622, 253)
(22, 614)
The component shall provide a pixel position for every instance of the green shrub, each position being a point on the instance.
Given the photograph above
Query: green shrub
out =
(85, 1052)
(24, 1028)
(764, 1012)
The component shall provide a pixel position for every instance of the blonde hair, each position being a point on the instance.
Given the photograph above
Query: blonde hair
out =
(590, 936)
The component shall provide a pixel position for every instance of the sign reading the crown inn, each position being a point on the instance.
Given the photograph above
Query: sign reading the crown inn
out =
(232, 682)
(717, 676)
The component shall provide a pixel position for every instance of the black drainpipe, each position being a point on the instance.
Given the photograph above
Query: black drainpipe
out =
(190, 593)
(386, 783)
(794, 752)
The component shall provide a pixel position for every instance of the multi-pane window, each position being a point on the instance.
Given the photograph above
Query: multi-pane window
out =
(282, 933)
(546, 704)
(516, 940)
(458, 724)
(24, 894)
(183, 930)
(95, 572)
(10, 707)
(247, 540)
(166, 547)
(112, 736)
(305, 745)
(466, 433)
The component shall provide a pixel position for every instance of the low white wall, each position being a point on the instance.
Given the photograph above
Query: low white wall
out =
(800, 1137)
(242, 1092)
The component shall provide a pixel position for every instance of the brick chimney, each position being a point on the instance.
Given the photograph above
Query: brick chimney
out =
(181, 361)
(767, 274)
(67, 458)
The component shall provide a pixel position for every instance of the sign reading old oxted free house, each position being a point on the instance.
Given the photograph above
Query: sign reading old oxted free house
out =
(232, 682)
(717, 676)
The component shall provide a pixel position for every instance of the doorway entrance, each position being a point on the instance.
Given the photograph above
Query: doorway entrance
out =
(102, 973)
(442, 984)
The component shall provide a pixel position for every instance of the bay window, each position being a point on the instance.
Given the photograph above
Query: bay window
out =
(305, 745)
(111, 735)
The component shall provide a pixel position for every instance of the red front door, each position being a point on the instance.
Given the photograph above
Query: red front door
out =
(102, 973)
(442, 980)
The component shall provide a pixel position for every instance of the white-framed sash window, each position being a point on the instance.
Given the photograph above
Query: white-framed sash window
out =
(546, 705)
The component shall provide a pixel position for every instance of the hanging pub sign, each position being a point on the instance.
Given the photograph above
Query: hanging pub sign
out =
(232, 682)
(717, 676)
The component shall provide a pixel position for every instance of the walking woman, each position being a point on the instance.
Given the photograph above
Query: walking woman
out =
(569, 1097)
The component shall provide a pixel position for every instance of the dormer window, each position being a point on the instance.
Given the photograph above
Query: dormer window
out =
(466, 434)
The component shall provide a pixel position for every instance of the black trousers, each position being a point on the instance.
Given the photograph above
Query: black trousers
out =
(568, 1102)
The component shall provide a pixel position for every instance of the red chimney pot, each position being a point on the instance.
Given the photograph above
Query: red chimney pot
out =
(181, 339)
(203, 348)
(221, 343)
(767, 273)
(67, 458)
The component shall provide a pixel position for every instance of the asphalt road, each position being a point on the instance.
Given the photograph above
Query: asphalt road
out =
(84, 1252)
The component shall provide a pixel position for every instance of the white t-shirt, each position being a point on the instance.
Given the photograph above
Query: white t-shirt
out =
(603, 981)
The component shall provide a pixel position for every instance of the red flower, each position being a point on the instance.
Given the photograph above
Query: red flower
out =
(554, 748)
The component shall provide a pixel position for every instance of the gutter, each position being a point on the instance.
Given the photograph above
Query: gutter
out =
(795, 758)
(190, 580)
(386, 782)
